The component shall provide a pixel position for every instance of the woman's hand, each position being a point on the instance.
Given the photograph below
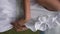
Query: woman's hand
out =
(19, 25)
(50, 4)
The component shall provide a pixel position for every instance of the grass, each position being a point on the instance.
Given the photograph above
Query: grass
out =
(12, 31)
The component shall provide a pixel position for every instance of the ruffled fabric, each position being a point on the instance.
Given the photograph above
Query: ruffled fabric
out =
(42, 19)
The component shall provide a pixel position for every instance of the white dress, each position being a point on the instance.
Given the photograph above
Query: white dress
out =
(7, 14)
(42, 19)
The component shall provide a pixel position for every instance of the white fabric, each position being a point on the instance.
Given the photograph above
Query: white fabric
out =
(42, 19)
(7, 14)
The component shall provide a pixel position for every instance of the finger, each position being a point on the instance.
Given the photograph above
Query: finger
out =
(16, 25)
(22, 28)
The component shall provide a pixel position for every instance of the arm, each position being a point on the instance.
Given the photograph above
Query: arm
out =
(50, 4)
(19, 25)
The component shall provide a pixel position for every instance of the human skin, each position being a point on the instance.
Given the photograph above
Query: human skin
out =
(50, 4)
